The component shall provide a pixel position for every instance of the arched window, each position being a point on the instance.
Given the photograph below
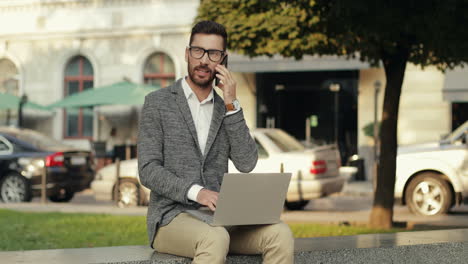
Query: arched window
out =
(8, 77)
(79, 76)
(159, 70)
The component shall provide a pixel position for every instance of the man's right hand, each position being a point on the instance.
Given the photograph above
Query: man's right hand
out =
(207, 198)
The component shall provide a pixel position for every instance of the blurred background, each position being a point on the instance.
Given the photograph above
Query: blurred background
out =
(52, 49)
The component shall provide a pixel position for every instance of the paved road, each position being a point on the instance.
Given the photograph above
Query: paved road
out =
(348, 207)
(338, 209)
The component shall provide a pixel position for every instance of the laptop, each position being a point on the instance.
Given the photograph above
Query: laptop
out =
(247, 199)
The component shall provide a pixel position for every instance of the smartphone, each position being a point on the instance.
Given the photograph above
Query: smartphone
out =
(224, 62)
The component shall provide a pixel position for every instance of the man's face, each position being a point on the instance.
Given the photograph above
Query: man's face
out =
(202, 71)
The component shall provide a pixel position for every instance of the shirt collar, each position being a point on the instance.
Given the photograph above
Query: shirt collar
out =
(188, 92)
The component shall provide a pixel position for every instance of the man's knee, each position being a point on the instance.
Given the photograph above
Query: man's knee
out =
(280, 234)
(216, 238)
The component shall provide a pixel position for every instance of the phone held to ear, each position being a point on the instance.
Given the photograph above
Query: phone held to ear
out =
(224, 62)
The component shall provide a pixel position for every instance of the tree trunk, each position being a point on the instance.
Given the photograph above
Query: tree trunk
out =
(382, 210)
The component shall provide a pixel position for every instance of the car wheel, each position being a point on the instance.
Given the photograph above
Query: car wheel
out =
(63, 196)
(15, 188)
(428, 194)
(299, 205)
(128, 194)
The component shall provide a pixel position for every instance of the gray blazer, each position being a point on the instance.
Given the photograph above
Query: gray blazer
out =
(169, 156)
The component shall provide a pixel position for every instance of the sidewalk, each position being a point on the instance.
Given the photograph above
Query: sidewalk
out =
(74, 208)
(358, 188)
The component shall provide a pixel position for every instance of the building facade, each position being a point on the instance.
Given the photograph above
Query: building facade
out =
(56, 48)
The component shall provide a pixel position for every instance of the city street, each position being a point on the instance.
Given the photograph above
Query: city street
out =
(344, 208)
(356, 210)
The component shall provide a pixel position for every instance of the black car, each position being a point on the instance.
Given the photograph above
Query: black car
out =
(24, 154)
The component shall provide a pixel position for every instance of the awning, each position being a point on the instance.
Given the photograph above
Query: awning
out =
(121, 93)
(277, 63)
(456, 85)
(9, 101)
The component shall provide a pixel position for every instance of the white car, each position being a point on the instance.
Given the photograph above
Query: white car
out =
(431, 178)
(315, 171)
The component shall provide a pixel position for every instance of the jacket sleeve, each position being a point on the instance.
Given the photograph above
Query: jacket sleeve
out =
(151, 169)
(243, 150)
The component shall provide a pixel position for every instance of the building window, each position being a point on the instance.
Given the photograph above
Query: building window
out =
(459, 114)
(79, 76)
(159, 70)
(8, 77)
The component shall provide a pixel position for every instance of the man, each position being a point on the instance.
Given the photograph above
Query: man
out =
(111, 142)
(187, 134)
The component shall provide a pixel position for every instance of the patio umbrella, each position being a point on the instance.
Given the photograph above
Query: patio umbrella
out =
(121, 93)
(9, 101)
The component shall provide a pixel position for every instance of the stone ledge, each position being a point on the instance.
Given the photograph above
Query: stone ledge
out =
(441, 246)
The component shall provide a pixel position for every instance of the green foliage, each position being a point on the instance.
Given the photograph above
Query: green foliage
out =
(431, 32)
(28, 231)
(265, 27)
(369, 129)
(320, 230)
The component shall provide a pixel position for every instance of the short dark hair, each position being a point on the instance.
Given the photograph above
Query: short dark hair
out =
(209, 27)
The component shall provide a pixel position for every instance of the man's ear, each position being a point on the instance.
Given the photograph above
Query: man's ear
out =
(186, 54)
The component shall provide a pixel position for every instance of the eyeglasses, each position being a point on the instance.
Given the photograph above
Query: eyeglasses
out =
(213, 54)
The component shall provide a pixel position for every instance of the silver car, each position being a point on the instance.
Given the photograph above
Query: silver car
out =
(432, 178)
(316, 172)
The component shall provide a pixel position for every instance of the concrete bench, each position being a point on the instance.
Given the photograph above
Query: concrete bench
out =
(441, 246)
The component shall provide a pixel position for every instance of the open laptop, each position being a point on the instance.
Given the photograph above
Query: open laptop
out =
(248, 199)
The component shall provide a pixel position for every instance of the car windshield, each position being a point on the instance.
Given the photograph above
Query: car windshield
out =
(457, 133)
(40, 141)
(284, 141)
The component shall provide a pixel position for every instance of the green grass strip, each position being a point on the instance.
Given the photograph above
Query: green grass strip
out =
(29, 231)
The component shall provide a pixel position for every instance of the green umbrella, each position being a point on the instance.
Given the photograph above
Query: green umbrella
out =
(121, 93)
(9, 101)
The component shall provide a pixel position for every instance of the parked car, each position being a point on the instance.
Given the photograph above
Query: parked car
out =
(432, 178)
(315, 171)
(25, 153)
(130, 191)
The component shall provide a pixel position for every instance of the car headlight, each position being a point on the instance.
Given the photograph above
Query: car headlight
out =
(39, 163)
(31, 167)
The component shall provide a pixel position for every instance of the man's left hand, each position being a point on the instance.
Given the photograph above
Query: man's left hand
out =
(227, 84)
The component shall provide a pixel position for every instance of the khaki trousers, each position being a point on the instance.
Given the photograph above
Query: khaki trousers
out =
(189, 237)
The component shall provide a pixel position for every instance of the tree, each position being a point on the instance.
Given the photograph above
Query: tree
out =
(381, 32)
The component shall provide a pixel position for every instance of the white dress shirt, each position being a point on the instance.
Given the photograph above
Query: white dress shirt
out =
(202, 112)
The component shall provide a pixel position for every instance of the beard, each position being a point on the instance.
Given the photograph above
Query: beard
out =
(200, 82)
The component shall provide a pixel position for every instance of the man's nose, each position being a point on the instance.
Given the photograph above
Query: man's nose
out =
(204, 59)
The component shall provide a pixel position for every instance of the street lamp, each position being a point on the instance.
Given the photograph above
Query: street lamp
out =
(23, 100)
(335, 88)
(377, 86)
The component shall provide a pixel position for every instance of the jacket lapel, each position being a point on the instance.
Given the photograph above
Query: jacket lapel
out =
(184, 108)
(219, 111)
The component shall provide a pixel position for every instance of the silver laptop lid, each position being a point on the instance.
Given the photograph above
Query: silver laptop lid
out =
(251, 198)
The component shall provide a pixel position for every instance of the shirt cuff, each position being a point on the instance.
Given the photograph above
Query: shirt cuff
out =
(193, 192)
(232, 112)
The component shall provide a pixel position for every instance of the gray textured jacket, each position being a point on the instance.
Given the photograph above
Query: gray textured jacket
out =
(169, 156)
